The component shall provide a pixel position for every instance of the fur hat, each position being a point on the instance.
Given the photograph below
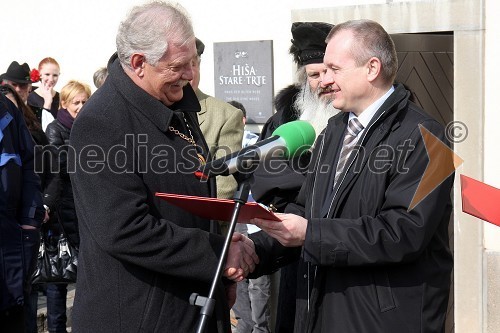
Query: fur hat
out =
(17, 73)
(200, 47)
(308, 43)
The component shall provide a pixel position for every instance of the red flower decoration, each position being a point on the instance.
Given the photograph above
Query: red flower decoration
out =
(34, 75)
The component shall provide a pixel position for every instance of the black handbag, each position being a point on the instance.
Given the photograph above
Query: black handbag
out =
(57, 260)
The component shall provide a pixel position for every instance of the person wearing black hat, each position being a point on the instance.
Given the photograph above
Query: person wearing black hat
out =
(18, 76)
(302, 100)
(21, 215)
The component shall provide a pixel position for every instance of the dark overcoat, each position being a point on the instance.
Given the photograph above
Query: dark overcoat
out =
(140, 258)
(369, 262)
(20, 204)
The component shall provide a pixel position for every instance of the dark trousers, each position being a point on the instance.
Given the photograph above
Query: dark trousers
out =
(12, 320)
(56, 307)
(30, 310)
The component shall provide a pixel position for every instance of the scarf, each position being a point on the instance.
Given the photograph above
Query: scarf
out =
(65, 118)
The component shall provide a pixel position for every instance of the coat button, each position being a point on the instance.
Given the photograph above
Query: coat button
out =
(305, 276)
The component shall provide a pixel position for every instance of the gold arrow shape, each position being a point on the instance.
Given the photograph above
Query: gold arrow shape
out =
(442, 163)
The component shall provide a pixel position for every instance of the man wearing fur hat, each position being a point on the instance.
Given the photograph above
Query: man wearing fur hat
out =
(18, 76)
(302, 100)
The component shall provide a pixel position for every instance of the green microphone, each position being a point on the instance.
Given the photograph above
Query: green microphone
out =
(299, 135)
(287, 141)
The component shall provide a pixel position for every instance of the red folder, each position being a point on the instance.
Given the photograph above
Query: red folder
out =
(480, 200)
(217, 209)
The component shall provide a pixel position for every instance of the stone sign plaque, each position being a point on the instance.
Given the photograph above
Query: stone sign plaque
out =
(243, 72)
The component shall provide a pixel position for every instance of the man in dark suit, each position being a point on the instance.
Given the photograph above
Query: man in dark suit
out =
(141, 258)
(371, 259)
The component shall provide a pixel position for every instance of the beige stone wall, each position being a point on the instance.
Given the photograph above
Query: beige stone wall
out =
(493, 287)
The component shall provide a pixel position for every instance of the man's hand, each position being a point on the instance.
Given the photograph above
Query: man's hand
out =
(290, 232)
(241, 258)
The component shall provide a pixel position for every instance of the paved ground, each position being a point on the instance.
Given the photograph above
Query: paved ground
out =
(42, 311)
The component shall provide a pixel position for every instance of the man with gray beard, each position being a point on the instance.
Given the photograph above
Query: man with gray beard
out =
(314, 108)
(277, 183)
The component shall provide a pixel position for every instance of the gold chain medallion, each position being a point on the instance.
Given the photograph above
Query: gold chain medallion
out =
(190, 140)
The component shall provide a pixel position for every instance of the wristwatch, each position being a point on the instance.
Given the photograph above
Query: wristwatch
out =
(47, 209)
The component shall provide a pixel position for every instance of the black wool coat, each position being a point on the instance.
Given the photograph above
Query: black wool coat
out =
(140, 258)
(369, 263)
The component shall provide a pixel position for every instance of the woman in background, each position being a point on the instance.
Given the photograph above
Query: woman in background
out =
(45, 100)
(73, 96)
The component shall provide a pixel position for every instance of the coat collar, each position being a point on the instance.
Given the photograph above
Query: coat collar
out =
(158, 113)
(384, 121)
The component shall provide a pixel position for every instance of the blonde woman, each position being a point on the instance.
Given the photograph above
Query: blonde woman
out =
(73, 96)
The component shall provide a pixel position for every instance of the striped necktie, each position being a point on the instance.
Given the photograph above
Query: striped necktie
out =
(354, 127)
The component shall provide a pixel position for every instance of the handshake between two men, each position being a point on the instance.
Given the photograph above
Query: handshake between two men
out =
(242, 257)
